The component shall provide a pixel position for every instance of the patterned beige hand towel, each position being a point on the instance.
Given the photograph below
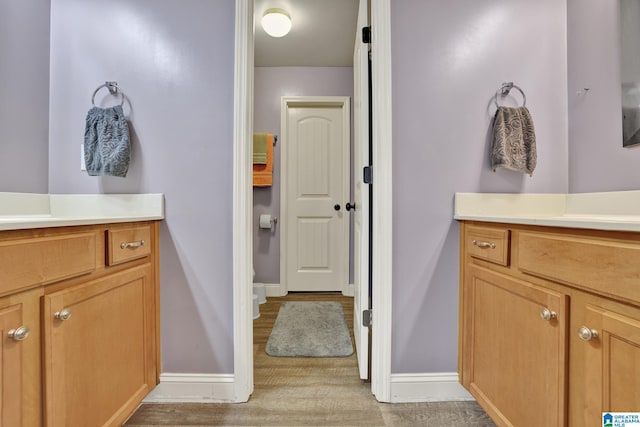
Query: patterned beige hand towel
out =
(514, 140)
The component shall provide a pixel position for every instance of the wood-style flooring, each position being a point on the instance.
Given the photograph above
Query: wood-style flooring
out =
(308, 392)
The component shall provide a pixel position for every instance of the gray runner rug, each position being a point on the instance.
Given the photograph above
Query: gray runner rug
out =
(310, 329)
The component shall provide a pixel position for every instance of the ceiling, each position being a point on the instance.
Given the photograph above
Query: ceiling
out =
(323, 34)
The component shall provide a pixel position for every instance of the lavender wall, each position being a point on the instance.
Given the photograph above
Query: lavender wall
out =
(444, 78)
(174, 61)
(272, 83)
(597, 160)
(24, 95)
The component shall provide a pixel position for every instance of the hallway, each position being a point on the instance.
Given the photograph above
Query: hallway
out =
(309, 392)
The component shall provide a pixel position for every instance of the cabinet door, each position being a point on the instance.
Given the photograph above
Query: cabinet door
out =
(11, 366)
(610, 351)
(514, 361)
(20, 381)
(99, 349)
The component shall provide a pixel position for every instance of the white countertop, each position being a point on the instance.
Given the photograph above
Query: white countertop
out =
(27, 210)
(616, 210)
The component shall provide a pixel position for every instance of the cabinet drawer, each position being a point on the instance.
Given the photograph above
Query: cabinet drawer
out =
(607, 267)
(40, 260)
(128, 244)
(491, 244)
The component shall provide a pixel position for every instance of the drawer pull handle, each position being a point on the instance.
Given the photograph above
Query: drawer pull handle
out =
(587, 334)
(548, 315)
(125, 245)
(19, 334)
(62, 314)
(484, 245)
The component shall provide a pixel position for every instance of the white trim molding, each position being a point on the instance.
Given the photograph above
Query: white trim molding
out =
(193, 388)
(220, 388)
(274, 290)
(349, 290)
(437, 387)
(243, 203)
(382, 200)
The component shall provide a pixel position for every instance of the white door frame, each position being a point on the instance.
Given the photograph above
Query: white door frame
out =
(243, 201)
(305, 101)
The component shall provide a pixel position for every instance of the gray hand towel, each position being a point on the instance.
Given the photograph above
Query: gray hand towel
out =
(514, 140)
(630, 126)
(106, 142)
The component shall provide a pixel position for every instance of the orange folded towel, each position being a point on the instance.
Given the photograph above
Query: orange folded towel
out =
(263, 174)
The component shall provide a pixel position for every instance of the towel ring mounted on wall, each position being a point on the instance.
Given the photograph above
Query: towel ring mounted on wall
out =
(504, 91)
(113, 90)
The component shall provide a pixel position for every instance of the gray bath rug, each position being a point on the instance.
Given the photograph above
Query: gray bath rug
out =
(310, 329)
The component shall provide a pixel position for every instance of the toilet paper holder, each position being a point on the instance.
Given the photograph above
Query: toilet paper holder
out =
(267, 221)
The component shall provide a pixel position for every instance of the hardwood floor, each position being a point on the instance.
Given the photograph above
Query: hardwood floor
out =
(308, 392)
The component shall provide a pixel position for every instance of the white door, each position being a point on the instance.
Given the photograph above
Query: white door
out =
(361, 192)
(315, 189)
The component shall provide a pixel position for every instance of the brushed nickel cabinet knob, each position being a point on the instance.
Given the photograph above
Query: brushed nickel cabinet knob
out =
(62, 314)
(587, 334)
(548, 315)
(19, 334)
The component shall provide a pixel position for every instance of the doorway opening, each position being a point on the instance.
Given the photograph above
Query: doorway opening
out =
(243, 206)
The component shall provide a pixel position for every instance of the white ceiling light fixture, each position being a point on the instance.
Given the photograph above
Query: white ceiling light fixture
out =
(276, 22)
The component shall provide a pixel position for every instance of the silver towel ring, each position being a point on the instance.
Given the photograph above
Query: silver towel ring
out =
(113, 90)
(504, 91)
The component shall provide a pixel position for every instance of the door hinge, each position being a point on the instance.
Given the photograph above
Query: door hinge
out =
(367, 174)
(366, 34)
(367, 318)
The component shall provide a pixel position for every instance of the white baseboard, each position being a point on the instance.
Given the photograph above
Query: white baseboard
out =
(220, 388)
(349, 291)
(438, 387)
(274, 290)
(193, 388)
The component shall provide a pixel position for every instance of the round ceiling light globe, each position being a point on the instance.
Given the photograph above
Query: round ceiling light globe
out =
(276, 22)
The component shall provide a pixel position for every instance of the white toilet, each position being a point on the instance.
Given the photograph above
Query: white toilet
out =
(259, 290)
(259, 296)
(256, 307)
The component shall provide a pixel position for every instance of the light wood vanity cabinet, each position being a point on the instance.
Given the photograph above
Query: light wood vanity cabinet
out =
(20, 359)
(605, 363)
(550, 332)
(99, 361)
(92, 351)
(10, 320)
(514, 360)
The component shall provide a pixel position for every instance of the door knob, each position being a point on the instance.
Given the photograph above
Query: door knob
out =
(350, 206)
(336, 207)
